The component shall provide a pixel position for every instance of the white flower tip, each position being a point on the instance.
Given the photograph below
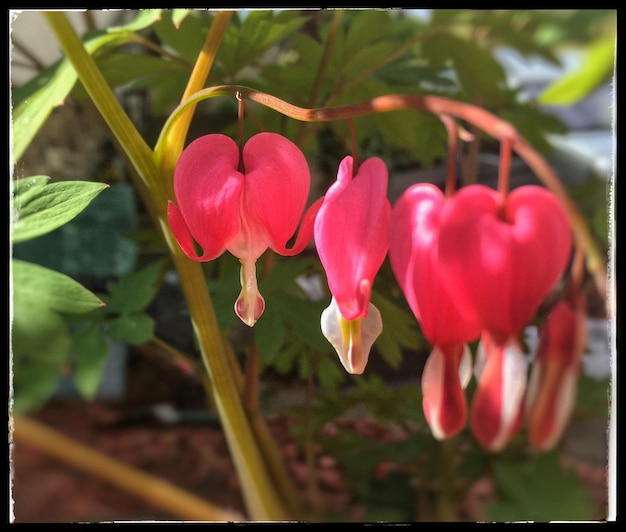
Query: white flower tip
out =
(352, 339)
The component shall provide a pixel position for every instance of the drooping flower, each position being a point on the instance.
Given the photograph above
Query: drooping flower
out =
(351, 230)
(241, 202)
(413, 253)
(501, 257)
(551, 393)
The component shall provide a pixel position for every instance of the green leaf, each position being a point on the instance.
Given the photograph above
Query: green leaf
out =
(285, 272)
(478, 72)
(303, 317)
(24, 189)
(143, 20)
(186, 36)
(37, 287)
(34, 384)
(134, 328)
(400, 331)
(140, 71)
(537, 488)
(330, 373)
(366, 27)
(269, 332)
(90, 354)
(178, 15)
(134, 292)
(596, 69)
(48, 207)
(39, 335)
(245, 46)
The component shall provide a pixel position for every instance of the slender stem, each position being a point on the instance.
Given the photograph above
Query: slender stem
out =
(156, 48)
(446, 504)
(251, 390)
(153, 490)
(504, 169)
(259, 492)
(453, 133)
(470, 164)
(333, 29)
(103, 97)
(177, 136)
(267, 443)
(309, 450)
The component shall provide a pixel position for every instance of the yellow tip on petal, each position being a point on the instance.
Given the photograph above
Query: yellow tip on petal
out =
(352, 339)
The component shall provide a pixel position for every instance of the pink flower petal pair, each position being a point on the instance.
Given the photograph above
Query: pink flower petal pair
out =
(414, 256)
(501, 257)
(351, 231)
(551, 394)
(243, 203)
(501, 261)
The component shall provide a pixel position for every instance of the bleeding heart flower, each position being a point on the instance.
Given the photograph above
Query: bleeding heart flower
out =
(351, 230)
(501, 258)
(553, 381)
(496, 412)
(501, 261)
(243, 203)
(414, 257)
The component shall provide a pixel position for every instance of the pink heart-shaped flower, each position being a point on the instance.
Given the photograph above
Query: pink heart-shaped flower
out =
(501, 260)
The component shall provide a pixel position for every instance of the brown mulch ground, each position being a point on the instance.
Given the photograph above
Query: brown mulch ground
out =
(194, 457)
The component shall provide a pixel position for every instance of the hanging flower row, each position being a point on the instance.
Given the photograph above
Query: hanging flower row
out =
(473, 265)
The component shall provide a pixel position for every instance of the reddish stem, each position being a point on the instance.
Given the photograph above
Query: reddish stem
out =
(504, 170)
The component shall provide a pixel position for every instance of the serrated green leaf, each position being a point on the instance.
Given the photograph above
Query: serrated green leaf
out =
(537, 488)
(37, 287)
(134, 292)
(133, 328)
(330, 373)
(90, 354)
(284, 272)
(366, 27)
(187, 38)
(596, 69)
(303, 317)
(400, 331)
(269, 332)
(48, 207)
(478, 72)
(374, 55)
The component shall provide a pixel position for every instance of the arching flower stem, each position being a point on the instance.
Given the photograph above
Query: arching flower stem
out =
(478, 117)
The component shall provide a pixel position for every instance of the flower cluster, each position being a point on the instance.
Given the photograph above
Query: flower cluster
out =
(474, 266)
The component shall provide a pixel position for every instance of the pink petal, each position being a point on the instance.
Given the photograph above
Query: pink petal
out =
(444, 402)
(413, 254)
(276, 190)
(250, 303)
(208, 188)
(553, 382)
(351, 230)
(503, 266)
(496, 411)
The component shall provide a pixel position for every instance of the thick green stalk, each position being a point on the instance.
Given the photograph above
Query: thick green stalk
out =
(259, 493)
